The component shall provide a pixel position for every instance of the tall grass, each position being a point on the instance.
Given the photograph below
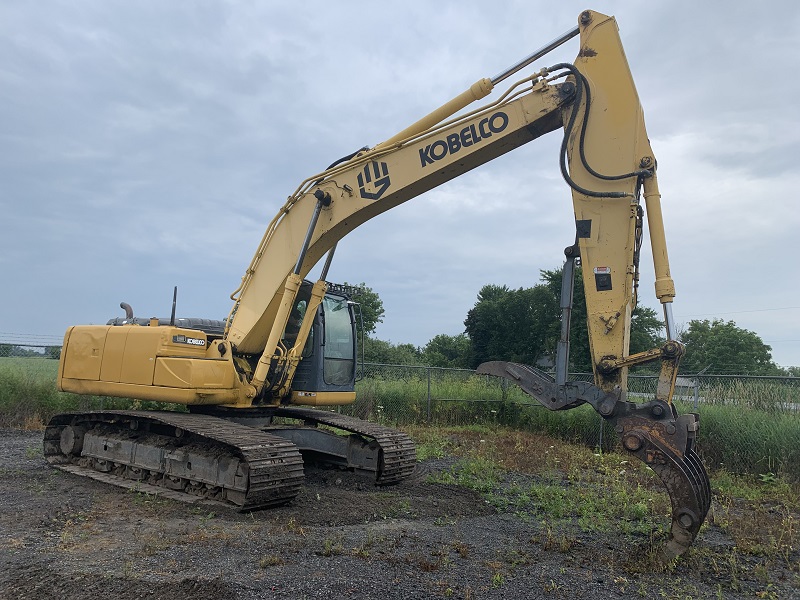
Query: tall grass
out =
(751, 426)
(29, 398)
(747, 427)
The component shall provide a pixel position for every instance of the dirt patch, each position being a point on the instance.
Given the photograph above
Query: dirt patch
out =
(62, 536)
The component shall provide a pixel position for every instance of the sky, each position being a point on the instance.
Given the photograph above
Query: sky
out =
(146, 145)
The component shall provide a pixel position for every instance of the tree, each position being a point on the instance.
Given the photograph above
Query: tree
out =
(524, 325)
(722, 347)
(647, 330)
(579, 355)
(449, 351)
(380, 351)
(371, 306)
(511, 325)
(791, 371)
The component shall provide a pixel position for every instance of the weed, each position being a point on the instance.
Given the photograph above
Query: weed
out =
(514, 558)
(425, 564)
(292, 526)
(207, 535)
(768, 477)
(497, 580)
(402, 509)
(430, 443)
(363, 550)
(476, 473)
(461, 548)
(331, 547)
(34, 452)
(444, 521)
(768, 593)
(551, 587)
(270, 560)
(206, 517)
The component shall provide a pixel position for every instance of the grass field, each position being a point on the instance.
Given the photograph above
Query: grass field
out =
(744, 429)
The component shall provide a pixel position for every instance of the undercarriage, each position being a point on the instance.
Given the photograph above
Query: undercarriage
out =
(244, 459)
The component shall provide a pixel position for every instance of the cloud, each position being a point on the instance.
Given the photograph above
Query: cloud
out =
(144, 145)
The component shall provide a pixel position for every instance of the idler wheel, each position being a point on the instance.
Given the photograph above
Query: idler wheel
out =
(71, 442)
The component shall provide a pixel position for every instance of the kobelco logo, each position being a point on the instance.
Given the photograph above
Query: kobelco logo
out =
(468, 136)
(375, 176)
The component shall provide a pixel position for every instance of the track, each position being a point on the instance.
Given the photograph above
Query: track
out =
(187, 456)
(206, 458)
(397, 455)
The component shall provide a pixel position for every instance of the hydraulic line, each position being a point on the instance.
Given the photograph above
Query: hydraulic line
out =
(580, 85)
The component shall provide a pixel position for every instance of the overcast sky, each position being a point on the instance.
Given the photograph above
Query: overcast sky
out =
(145, 145)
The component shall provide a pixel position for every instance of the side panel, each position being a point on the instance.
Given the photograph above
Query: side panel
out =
(168, 364)
(114, 354)
(139, 358)
(82, 357)
(193, 373)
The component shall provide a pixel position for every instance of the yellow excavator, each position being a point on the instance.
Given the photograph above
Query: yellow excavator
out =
(257, 384)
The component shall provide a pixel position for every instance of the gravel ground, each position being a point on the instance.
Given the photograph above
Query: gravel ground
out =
(62, 536)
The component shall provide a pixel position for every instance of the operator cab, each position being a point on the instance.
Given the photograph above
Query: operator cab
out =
(326, 374)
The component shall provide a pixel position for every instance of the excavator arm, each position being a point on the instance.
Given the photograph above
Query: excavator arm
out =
(607, 161)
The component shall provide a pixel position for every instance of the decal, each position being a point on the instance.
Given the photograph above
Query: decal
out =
(375, 177)
(182, 339)
(468, 136)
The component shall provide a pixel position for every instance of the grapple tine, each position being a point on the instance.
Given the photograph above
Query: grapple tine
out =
(689, 495)
(666, 445)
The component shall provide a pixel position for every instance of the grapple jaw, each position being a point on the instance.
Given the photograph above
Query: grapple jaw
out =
(665, 442)
(651, 431)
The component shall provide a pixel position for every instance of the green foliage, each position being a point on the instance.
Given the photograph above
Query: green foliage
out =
(722, 347)
(647, 330)
(476, 473)
(750, 426)
(579, 354)
(371, 306)
(646, 327)
(383, 352)
(511, 325)
(524, 325)
(11, 350)
(451, 351)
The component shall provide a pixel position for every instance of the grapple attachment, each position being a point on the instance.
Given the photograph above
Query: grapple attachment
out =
(665, 442)
(651, 431)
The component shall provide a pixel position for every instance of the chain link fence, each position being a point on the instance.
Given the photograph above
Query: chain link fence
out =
(747, 423)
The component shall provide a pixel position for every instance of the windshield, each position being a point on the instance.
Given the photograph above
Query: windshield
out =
(339, 352)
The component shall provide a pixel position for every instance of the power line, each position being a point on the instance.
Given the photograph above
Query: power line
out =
(737, 312)
(30, 339)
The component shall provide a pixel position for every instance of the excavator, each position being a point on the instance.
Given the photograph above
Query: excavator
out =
(260, 388)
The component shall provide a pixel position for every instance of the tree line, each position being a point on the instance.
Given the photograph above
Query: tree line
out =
(523, 325)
